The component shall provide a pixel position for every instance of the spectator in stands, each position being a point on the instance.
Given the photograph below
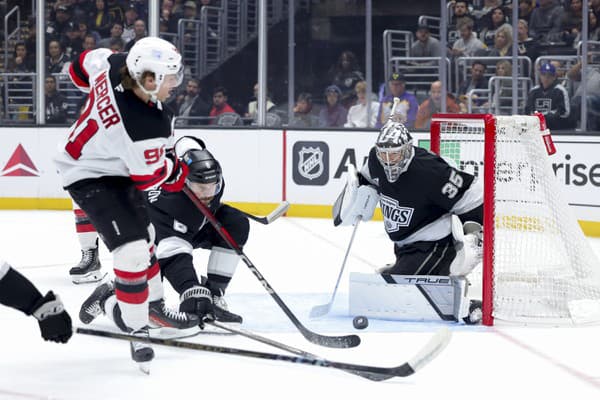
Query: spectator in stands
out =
(131, 16)
(477, 80)
(502, 90)
(71, 41)
(191, 104)
(84, 30)
(503, 40)
(488, 33)
(139, 28)
(460, 10)
(30, 41)
(168, 21)
(57, 62)
(101, 20)
(345, 74)
(56, 27)
(117, 45)
(115, 11)
(116, 30)
(525, 9)
(303, 112)
(220, 105)
(468, 43)
(89, 42)
(592, 93)
(253, 105)
(357, 115)
(571, 22)
(484, 14)
(190, 10)
(333, 114)
(433, 105)
(21, 61)
(544, 23)
(406, 112)
(56, 103)
(425, 45)
(527, 46)
(551, 99)
(593, 27)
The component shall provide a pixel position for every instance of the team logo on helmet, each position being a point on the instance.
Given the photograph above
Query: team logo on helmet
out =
(310, 163)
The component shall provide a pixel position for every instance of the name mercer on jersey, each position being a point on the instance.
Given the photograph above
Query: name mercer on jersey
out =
(106, 111)
(394, 216)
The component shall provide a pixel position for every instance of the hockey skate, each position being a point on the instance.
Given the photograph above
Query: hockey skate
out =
(475, 314)
(166, 322)
(94, 304)
(221, 310)
(142, 352)
(88, 269)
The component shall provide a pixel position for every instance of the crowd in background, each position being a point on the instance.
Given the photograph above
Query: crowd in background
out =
(481, 28)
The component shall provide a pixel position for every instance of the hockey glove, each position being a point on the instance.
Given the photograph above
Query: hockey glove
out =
(197, 300)
(176, 180)
(55, 322)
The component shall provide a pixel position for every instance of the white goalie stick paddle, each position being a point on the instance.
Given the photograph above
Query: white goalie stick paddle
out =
(273, 215)
(430, 351)
(323, 309)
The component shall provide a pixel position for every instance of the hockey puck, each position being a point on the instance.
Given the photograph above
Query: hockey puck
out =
(360, 322)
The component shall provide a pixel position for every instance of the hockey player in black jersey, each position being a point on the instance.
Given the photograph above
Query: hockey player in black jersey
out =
(424, 201)
(18, 292)
(181, 228)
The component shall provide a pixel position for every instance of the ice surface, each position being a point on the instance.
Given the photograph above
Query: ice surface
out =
(300, 258)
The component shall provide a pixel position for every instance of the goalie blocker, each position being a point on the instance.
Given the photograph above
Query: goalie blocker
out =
(356, 202)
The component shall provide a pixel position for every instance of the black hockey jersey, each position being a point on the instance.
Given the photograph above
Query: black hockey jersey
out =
(177, 221)
(418, 206)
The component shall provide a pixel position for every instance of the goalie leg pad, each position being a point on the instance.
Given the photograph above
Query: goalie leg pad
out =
(469, 246)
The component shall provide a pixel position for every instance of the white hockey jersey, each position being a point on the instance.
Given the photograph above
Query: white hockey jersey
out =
(117, 133)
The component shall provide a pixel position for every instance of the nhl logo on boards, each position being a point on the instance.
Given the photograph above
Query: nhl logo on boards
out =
(394, 216)
(311, 163)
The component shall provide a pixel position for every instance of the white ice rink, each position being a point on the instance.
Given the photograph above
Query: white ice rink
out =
(300, 258)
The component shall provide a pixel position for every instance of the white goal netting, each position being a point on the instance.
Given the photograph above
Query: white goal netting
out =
(544, 270)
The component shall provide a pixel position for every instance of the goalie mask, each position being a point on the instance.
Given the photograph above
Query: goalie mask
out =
(394, 149)
(205, 177)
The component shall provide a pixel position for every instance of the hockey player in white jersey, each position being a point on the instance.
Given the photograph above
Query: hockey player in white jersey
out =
(424, 201)
(119, 147)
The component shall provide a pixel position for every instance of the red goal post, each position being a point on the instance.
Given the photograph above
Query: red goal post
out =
(537, 265)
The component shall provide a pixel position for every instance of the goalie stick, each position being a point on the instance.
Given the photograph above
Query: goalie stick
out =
(322, 309)
(434, 347)
(328, 341)
(276, 213)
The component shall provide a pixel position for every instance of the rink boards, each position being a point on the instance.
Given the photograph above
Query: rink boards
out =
(265, 166)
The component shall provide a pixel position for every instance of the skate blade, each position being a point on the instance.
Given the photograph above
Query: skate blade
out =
(91, 277)
(144, 367)
(173, 333)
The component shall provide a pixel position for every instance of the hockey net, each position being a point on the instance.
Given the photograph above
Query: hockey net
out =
(537, 266)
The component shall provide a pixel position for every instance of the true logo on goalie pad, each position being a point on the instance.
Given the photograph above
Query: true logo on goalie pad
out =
(394, 216)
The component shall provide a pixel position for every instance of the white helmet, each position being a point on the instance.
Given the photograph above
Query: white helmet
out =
(154, 55)
(394, 149)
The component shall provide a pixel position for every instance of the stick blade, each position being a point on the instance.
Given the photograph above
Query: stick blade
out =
(320, 310)
(279, 211)
(432, 349)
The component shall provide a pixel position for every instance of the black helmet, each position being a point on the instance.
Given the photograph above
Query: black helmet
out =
(203, 167)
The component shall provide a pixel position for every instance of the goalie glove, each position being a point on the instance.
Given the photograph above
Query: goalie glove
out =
(355, 202)
(176, 180)
(197, 300)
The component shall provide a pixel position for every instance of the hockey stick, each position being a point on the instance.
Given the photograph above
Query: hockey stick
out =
(434, 347)
(290, 349)
(329, 341)
(323, 309)
(276, 213)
